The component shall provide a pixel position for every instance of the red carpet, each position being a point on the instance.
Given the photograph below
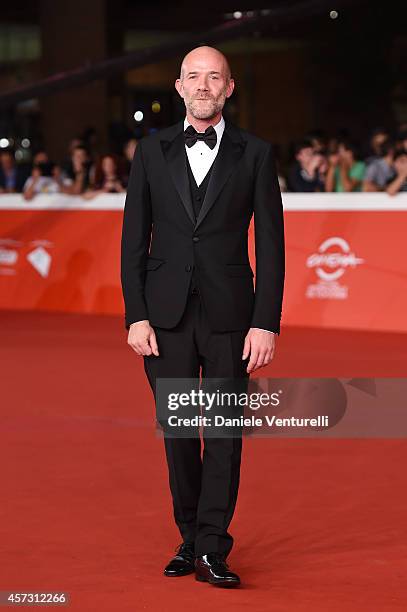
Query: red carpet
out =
(86, 507)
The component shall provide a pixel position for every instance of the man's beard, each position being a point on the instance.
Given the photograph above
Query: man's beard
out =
(210, 109)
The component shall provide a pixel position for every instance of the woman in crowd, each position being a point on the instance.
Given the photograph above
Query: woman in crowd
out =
(398, 182)
(78, 175)
(345, 171)
(45, 178)
(108, 178)
(380, 170)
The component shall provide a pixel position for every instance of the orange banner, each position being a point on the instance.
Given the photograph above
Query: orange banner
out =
(345, 267)
(61, 260)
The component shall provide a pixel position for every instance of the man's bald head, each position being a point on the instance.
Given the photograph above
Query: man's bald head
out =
(205, 83)
(205, 56)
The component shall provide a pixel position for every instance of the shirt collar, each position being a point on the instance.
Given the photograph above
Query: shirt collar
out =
(219, 127)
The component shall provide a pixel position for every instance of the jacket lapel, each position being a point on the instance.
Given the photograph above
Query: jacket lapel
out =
(174, 153)
(230, 151)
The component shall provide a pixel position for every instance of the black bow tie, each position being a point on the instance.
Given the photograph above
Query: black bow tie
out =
(208, 136)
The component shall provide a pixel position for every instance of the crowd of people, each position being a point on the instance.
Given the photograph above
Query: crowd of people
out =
(319, 164)
(80, 174)
(339, 164)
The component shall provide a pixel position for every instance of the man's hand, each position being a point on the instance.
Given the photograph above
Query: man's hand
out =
(401, 166)
(142, 338)
(333, 159)
(260, 345)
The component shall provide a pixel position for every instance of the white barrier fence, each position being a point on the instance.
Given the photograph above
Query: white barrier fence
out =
(291, 202)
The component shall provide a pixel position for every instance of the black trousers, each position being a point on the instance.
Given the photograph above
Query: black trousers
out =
(204, 489)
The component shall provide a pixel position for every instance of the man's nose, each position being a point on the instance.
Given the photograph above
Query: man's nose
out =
(202, 84)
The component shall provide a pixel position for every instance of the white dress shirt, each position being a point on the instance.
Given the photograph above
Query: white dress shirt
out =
(201, 158)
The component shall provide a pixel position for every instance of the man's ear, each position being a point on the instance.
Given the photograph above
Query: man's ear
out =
(178, 87)
(231, 86)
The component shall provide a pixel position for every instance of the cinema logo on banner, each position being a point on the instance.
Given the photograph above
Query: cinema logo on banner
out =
(37, 255)
(332, 259)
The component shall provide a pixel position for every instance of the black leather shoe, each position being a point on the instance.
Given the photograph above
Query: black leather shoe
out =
(213, 568)
(183, 563)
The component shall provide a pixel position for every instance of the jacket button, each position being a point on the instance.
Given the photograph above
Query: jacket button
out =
(188, 268)
(195, 239)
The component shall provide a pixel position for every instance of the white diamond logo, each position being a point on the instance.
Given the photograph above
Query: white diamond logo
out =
(40, 259)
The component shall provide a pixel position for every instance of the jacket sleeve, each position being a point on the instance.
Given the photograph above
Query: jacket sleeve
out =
(269, 245)
(135, 242)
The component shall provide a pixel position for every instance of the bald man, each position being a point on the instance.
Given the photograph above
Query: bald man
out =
(190, 304)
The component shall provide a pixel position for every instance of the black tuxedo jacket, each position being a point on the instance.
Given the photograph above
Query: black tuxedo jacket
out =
(162, 242)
